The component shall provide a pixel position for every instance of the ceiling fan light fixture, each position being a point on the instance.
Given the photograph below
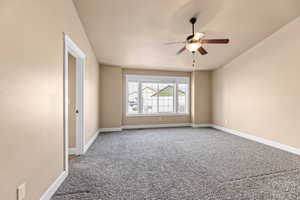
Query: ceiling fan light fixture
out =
(192, 47)
(198, 36)
(194, 43)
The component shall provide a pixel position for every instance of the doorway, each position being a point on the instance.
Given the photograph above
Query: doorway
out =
(72, 107)
(74, 65)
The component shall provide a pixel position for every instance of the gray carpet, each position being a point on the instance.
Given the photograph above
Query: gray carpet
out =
(181, 164)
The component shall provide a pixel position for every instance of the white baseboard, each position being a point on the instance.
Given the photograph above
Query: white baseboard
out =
(146, 126)
(201, 125)
(260, 140)
(73, 151)
(227, 130)
(52, 189)
(104, 130)
(54, 186)
(92, 140)
(155, 126)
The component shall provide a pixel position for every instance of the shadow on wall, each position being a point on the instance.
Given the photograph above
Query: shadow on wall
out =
(204, 10)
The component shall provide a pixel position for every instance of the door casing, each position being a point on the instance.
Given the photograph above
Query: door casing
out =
(71, 48)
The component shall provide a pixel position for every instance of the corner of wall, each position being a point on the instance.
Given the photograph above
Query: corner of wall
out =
(201, 96)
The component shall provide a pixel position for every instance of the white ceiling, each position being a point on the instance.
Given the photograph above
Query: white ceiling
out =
(132, 33)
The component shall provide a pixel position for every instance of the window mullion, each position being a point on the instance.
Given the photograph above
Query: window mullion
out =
(140, 98)
(157, 98)
(188, 98)
(175, 97)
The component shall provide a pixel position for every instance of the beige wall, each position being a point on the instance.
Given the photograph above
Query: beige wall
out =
(259, 92)
(113, 91)
(111, 97)
(113, 107)
(201, 106)
(148, 120)
(72, 101)
(31, 90)
(155, 72)
(143, 120)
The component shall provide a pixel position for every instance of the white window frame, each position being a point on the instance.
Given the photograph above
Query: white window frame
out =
(159, 79)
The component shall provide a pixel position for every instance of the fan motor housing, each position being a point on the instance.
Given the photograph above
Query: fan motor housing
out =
(189, 37)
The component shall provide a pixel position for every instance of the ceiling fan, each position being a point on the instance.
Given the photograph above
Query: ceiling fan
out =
(195, 41)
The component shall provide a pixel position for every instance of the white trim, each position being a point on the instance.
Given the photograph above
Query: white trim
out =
(188, 98)
(92, 140)
(227, 130)
(54, 186)
(80, 69)
(158, 79)
(73, 151)
(149, 126)
(156, 126)
(201, 125)
(71, 48)
(175, 100)
(140, 99)
(259, 139)
(158, 114)
(104, 130)
(52, 189)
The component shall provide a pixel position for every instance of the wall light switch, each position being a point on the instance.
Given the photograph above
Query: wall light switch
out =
(22, 191)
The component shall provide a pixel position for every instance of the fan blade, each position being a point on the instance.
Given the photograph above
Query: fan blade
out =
(181, 50)
(215, 41)
(170, 43)
(202, 51)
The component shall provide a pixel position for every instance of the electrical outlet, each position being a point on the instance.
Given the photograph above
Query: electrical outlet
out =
(22, 191)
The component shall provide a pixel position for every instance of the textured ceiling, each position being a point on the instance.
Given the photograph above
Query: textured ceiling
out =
(132, 33)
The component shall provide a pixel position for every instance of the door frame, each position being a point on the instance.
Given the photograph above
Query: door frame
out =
(71, 48)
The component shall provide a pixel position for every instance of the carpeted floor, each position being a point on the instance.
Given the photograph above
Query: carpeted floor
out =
(181, 164)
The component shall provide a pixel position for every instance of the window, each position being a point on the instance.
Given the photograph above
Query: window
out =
(182, 98)
(133, 96)
(149, 98)
(157, 95)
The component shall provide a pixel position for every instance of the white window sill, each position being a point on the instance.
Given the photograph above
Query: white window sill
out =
(157, 115)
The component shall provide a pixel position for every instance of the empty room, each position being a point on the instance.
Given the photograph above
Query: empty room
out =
(150, 100)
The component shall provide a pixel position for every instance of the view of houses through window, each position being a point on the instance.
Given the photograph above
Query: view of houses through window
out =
(154, 95)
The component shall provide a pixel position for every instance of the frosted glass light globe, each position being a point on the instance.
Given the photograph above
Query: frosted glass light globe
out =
(194, 46)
